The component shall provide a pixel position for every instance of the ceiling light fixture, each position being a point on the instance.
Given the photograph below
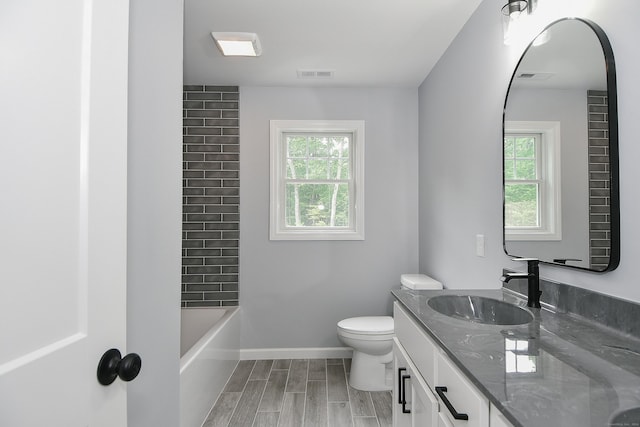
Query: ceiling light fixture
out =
(238, 44)
(511, 14)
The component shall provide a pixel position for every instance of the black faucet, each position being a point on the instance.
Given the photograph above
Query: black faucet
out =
(533, 278)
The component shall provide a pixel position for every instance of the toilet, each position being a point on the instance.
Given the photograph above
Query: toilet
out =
(371, 338)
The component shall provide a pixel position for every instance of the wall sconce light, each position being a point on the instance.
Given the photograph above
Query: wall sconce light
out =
(514, 8)
(518, 24)
(511, 14)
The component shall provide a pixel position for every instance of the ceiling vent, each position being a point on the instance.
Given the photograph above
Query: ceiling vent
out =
(534, 76)
(315, 74)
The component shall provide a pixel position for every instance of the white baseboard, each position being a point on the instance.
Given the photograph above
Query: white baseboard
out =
(296, 353)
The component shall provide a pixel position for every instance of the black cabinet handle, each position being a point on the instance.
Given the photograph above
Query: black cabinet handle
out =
(457, 415)
(112, 365)
(400, 393)
(404, 391)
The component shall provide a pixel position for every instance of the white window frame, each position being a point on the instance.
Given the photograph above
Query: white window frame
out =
(278, 230)
(550, 197)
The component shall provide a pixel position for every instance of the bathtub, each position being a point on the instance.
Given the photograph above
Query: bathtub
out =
(209, 352)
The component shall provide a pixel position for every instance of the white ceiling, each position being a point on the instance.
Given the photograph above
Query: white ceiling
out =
(371, 43)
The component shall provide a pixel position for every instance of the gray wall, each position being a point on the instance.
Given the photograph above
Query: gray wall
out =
(154, 186)
(294, 293)
(461, 113)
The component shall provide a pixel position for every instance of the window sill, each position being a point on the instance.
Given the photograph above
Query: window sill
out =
(316, 235)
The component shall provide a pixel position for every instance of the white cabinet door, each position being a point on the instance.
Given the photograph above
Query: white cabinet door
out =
(443, 421)
(413, 402)
(424, 406)
(400, 368)
(63, 145)
(496, 419)
(461, 395)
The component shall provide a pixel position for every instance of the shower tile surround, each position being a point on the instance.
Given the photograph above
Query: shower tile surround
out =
(599, 180)
(211, 196)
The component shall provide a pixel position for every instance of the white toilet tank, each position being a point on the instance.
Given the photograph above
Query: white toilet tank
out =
(419, 282)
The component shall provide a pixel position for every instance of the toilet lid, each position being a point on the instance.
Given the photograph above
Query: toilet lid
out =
(368, 324)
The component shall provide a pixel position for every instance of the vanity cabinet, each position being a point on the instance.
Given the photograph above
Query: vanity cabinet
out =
(445, 396)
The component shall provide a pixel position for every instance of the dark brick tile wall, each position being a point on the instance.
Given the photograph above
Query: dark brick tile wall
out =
(211, 196)
(599, 180)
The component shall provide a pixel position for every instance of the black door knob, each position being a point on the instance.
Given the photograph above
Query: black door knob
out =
(113, 365)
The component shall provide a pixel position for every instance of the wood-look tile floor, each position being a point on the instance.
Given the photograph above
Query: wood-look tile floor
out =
(297, 393)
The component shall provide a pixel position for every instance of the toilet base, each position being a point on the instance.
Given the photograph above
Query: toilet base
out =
(371, 373)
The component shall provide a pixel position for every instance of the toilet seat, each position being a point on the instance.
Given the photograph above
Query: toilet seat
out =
(367, 337)
(367, 325)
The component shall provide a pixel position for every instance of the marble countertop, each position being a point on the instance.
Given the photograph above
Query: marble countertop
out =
(558, 370)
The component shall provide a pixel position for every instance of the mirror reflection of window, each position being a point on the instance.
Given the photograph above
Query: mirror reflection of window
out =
(517, 357)
(523, 180)
(532, 187)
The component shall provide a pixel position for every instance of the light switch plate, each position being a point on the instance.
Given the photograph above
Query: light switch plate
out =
(480, 245)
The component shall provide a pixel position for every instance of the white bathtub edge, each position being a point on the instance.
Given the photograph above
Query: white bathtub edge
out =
(205, 370)
(296, 353)
(192, 353)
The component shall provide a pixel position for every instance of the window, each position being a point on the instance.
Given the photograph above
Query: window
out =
(532, 207)
(317, 178)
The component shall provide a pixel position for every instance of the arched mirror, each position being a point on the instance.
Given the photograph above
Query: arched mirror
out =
(560, 135)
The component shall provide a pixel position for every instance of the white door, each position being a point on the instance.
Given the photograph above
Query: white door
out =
(63, 130)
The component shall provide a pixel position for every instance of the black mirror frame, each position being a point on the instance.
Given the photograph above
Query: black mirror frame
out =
(614, 166)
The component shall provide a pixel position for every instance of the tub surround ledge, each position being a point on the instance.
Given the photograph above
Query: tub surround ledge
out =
(562, 368)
